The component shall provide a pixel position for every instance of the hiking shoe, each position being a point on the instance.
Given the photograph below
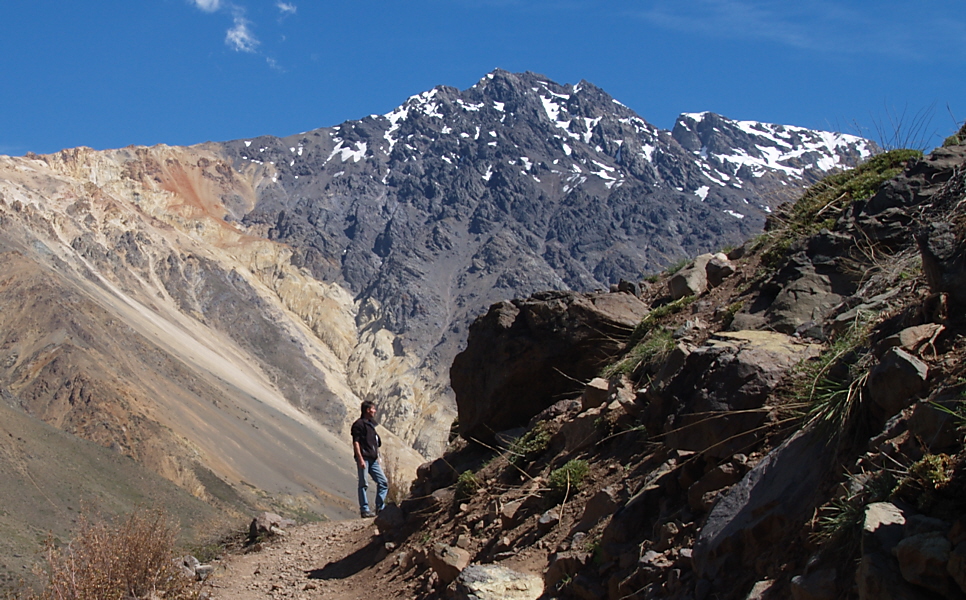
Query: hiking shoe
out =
(368, 514)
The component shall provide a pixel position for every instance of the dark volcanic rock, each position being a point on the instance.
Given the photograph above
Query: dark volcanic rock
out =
(524, 355)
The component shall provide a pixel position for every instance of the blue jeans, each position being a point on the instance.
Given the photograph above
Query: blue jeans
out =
(382, 485)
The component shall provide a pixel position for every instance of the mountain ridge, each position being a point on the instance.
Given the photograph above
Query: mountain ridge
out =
(236, 301)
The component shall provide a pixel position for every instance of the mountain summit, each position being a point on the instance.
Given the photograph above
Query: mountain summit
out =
(217, 312)
(458, 199)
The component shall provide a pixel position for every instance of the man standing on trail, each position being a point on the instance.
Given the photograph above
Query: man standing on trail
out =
(365, 447)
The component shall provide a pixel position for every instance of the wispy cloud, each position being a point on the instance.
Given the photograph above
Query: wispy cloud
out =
(815, 26)
(240, 37)
(286, 8)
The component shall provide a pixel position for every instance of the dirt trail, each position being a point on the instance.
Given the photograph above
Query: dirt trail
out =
(336, 559)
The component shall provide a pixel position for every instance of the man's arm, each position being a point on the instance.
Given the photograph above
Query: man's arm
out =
(358, 452)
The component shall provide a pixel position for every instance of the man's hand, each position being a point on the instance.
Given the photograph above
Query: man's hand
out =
(361, 462)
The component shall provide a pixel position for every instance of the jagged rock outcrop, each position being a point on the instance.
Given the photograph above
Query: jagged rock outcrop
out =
(535, 351)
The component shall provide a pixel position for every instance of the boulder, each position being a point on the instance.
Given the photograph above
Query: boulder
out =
(912, 339)
(565, 564)
(596, 393)
(604, 503)
(495, 582)
(719, 393)
(943, 254)
(390, 519)
(956, 567)
(922, 562)
(268, 524)
(581, 431)
(877, 578)
(447, 561)
(772, 501)
(531, 352)
(937, 428)
(807, 299)
(718, 269)
(548, 521)
(819, 585)
(896, 381)
(882, 529)
(702, 492)
(691, 280)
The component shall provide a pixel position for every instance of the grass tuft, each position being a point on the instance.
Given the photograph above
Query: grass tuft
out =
(567, 479)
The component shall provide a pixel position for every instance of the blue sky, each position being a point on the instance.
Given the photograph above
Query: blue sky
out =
(111, 73)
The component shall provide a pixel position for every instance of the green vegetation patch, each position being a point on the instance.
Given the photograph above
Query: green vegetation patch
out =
(467, 484)
(566, 480)
(527, 448)
(651, 350)
(825, 201)
(831, 386)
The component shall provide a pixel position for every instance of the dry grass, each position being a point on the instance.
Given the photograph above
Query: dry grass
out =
(397, 490)
(133, 560)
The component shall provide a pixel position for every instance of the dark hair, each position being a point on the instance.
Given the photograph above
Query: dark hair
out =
(366, 406)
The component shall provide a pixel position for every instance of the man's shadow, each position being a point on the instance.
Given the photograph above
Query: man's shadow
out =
(364, 557)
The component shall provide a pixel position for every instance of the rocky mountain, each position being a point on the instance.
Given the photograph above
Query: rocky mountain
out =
(217, 312)
(458, 199)
(782, 421)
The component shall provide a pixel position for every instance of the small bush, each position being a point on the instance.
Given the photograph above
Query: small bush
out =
(531, 445)
(132, 560)
(566, 480)
(924, 479)
(397, 489)
(652, 318)
(466, 485)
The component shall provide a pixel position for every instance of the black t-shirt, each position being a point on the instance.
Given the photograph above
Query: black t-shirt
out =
(364, 432)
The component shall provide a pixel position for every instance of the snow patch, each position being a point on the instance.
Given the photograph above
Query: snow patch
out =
(702, 192)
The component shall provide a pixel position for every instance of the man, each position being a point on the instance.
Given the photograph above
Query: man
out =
(365, 446)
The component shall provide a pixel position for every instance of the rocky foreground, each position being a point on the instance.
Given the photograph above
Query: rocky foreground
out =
(779, 420)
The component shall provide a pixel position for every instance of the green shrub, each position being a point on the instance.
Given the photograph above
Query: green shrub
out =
(566, 480)
(831, 385)
(532, 444)
(652, 318)
(467, 484)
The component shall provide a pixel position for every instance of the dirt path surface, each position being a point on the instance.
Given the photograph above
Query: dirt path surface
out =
(336, 559)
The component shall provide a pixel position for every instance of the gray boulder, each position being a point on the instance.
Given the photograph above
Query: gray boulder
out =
(718, 269)
(712, 404)
(922, 562)
(691, 280)
(448, 562)
(896, 381)
(495, 582)
(771, 502)
(532, 351)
